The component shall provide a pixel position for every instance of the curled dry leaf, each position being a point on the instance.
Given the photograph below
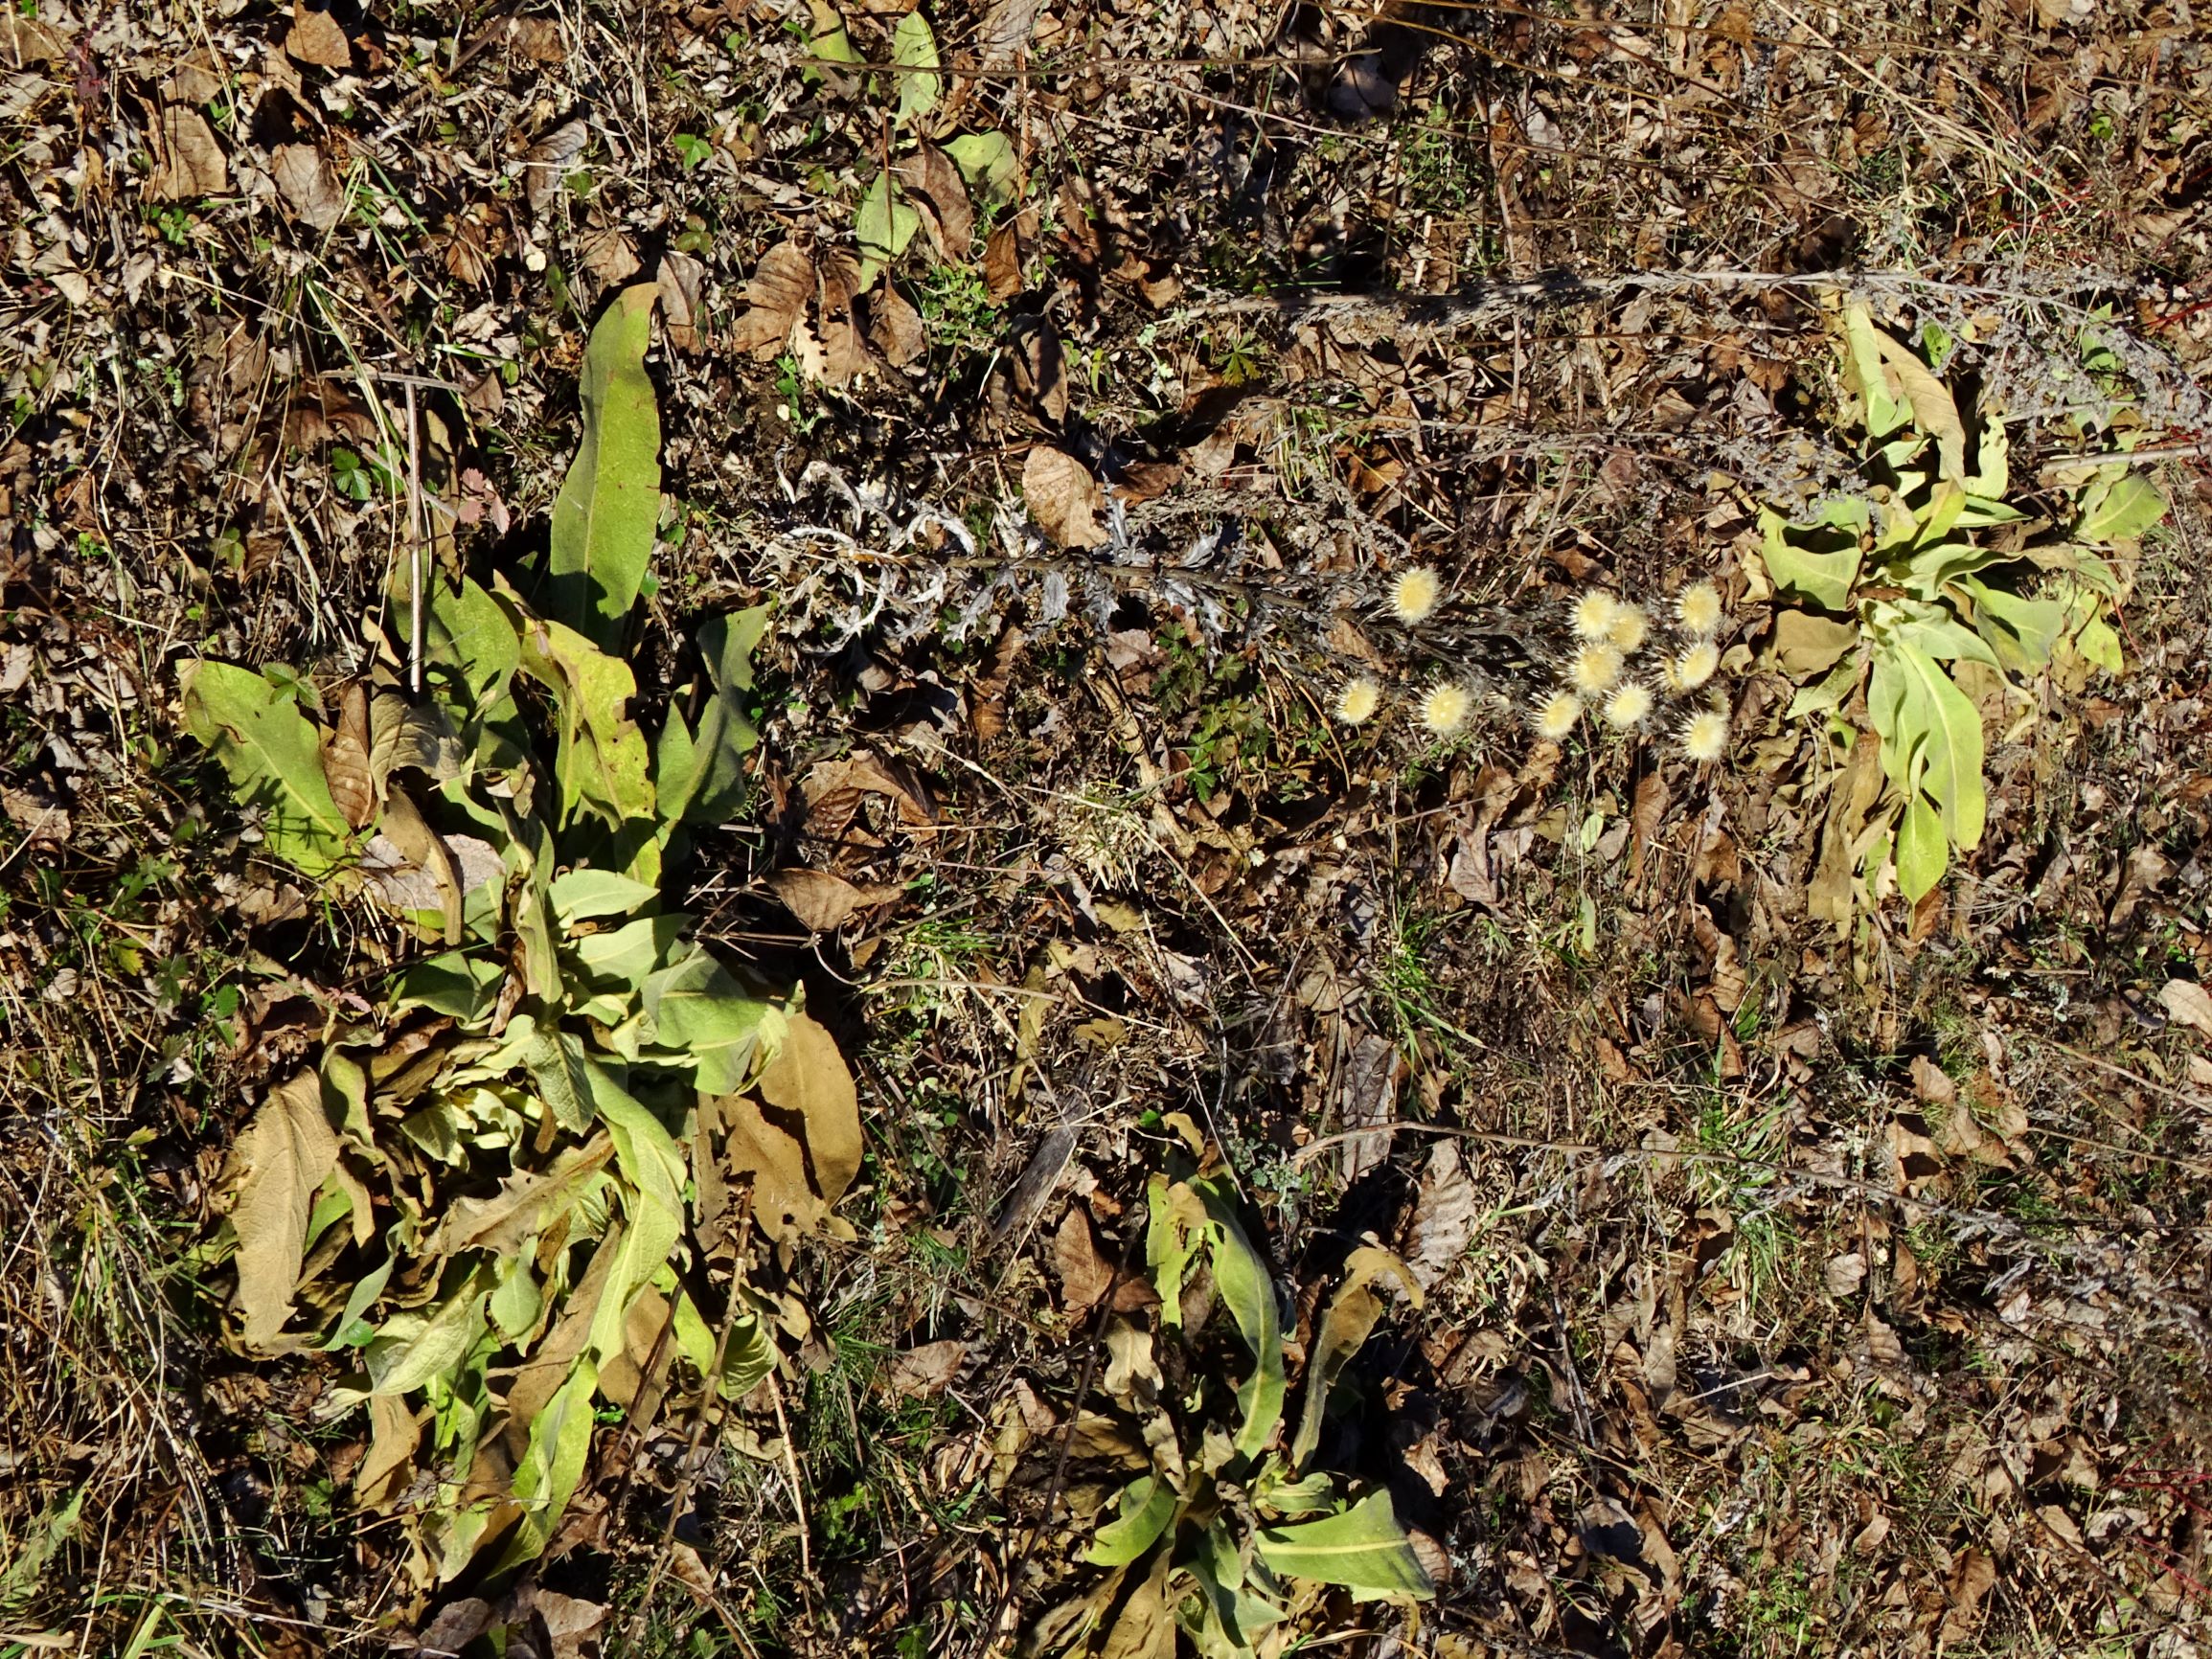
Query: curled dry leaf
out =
(682, 279)
(775, 299)
(933, 183)
(1085, 1275)
(2190, 1003)
(547, 162)
(1062, 497)
(346, 757)
(843, 353)
(897, 326)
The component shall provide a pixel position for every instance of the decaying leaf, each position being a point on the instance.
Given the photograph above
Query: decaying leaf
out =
(276, 1168)
(801, 1141)
(317, 38)
(2189, 1002)
(919, 1372)
(1444, 1216)
(1062, 497)
(1085, 1275)
(1002, 264)
(932, 179)
(824, 902)
(782, 284)
(308, 184)
(896, 328)
(191, 163)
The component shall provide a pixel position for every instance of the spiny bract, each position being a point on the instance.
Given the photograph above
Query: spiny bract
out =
(1416, 596)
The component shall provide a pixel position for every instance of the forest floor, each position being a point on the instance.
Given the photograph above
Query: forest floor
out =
(1803, 1270)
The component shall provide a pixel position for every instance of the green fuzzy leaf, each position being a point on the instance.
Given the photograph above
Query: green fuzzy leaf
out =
(988, 162)
(1824, 573)
(914, 49)
(1931, 735)
(1363, 1549)
(2119, 511)
(1172, 1218)
(700, 777)
(457, 985)
(1241, 1279)
(608, 507)
(883, 224)
(601, 765)
(1147, 1504)
(410, 1349)
(697, 1010)
(587, 895)
(2021, 632)
(1881, 409)
(470, 638)
(272, 753)
(557, 1065)
(551, 1464)
(1922, 850)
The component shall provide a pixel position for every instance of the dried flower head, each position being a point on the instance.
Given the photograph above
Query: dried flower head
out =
(1558, 715)
(1416, 596)
(1705, 735)
(1359, 701)
(1593, 670)
(1698, 664)
(1629, 626)
(1446, 709)
(1699, 607)
(1594, 614)
(1628, 706)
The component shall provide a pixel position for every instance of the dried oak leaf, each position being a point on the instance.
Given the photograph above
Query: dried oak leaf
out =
(682, 282)
(608, 256)
(192, 162)
(1444, 1216)
(775, 299)
(919, 1372)
(2190, 1003)
(1085, 1275)
(1064, 497)
(548, 159)
(839, 354)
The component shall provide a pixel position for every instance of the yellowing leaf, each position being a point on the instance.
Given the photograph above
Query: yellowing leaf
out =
(1241, 1279)
(604, 516)
(601, 765)
(1824, 573)
(551, 1464)
(273, 755)
(1931, 735)
(277, 1167)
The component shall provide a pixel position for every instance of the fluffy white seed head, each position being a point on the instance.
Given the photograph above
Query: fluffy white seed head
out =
(1705, 735)
(1416, 596)
(1359, 701)
(1629, 626)
(1558, 715)
(1594, 614)
(1699, 607)
(1446, 709)
(1594, 669)
(1629, 705)
(1698, 662)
